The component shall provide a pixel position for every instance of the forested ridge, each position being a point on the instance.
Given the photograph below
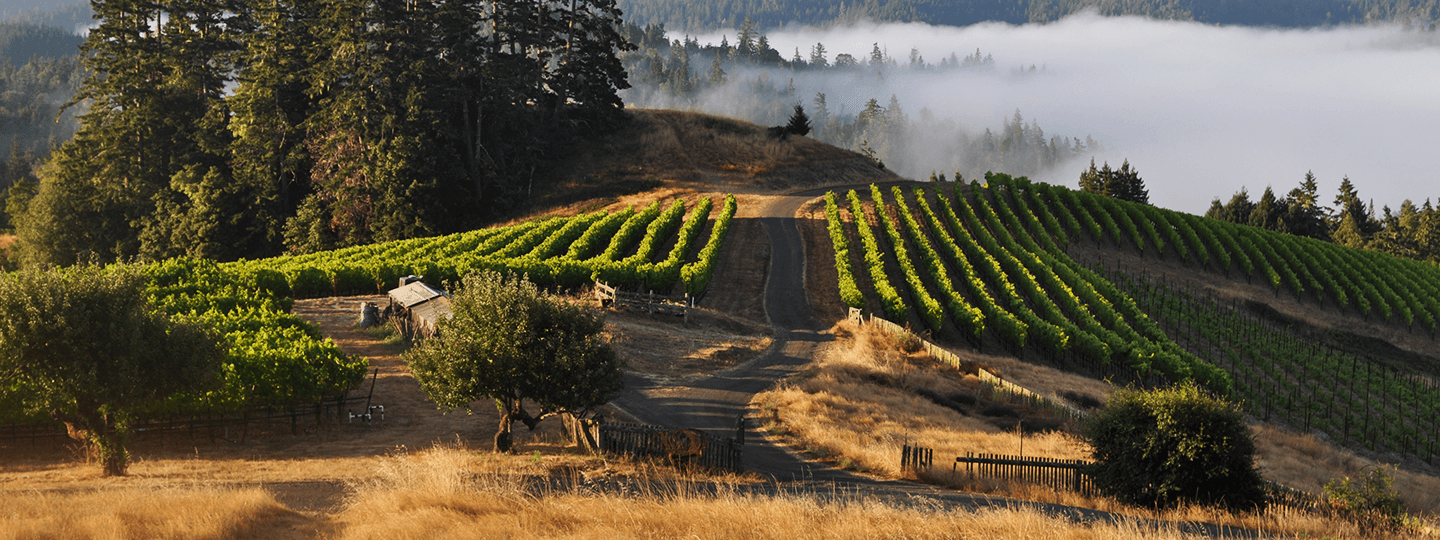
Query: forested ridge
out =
(700, 15)
(1411, 232)
(39, 70)
(224, 129)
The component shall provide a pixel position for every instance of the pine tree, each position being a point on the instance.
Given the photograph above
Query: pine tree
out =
(817, 56)
(1304, 215)
(717, 72)
(1267, 213)
(799, 123)
(1124, 184)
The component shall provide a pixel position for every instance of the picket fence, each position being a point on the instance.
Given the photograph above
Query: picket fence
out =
(683, 447)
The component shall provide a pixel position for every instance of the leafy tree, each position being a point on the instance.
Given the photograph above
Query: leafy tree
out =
(1349, 233)
(85, 346)
(799, 122)
(512, 343)
(1173, 445)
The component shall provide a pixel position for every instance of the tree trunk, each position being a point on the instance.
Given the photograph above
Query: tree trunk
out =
(503, 439)
(104, 442)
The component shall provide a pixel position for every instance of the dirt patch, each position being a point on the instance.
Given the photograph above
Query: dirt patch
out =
(821, 278)
(669, 349)
(737, 288)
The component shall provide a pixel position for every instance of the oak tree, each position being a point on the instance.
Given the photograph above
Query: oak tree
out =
(512, 343)
(85, 346)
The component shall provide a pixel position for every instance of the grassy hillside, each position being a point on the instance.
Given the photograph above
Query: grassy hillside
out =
(991, 267)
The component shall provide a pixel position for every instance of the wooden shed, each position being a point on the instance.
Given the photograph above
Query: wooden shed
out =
(417, 309)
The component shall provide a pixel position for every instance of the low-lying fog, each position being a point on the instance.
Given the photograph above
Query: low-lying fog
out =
(1199, 110)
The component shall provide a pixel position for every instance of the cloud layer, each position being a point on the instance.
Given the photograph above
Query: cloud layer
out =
(1200, 110)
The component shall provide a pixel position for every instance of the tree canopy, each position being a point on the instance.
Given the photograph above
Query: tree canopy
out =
(1123, 183)
(512, 343)
(85, 346)
(240, 128)
(1168, 446)
(1412, 232)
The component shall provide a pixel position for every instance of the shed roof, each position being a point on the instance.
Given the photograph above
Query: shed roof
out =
(414, 294)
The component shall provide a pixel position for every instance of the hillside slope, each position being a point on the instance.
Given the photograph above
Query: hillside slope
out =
(690, 151)
(1317, 338)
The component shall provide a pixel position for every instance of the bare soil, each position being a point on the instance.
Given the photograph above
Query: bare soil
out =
(668, 349)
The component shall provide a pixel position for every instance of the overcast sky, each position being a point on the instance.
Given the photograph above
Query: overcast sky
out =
(1199, 110)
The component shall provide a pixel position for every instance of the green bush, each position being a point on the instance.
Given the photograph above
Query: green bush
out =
(1173, 445)
(1369, 501)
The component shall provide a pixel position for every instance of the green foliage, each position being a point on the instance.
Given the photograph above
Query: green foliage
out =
(931, 310)
(551, 251)
(1174, 445)
(697, 274)
(512, 343)
(664, 274)
(1370, 501)
(1123, 183)
(971, 319)
(895, 307)
(88, 347)
(849, 291)
(230, 130)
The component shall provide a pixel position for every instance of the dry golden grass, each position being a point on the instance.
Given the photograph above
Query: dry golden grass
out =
(450, 491)
(6, 240)
(858, 405)
(423, 496)
(1307, 463)
(180, 513)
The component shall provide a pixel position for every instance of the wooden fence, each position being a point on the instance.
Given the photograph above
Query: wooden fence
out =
(1060, 474)
(916, 458)
(647, 302)
(999, 387)
(677, 445)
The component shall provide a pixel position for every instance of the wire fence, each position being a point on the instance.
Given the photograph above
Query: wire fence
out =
(215, 426)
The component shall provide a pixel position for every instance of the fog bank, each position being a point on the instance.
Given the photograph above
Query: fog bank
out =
(1199, 110)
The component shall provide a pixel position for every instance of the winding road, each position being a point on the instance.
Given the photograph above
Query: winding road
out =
(713, 403)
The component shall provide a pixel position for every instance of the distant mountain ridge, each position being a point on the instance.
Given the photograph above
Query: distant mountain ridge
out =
(700, 15)
(20, 42)
(70, 18)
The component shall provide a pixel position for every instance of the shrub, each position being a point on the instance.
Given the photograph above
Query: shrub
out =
(1369, 501)
(1162, 447)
